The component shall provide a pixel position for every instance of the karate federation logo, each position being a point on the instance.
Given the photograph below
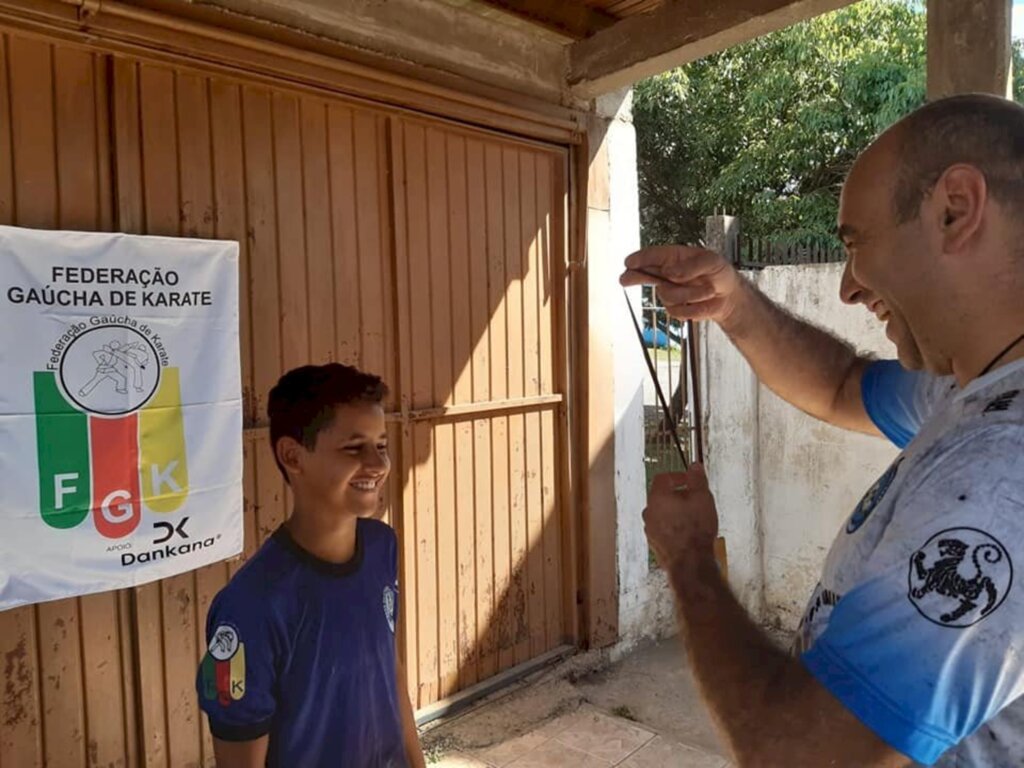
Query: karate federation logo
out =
(223, 667)
(110, 433)
(110, 370)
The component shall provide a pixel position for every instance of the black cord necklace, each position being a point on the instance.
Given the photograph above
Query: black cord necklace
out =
(1002, 354)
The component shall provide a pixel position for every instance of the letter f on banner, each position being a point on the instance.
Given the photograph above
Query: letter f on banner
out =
(164, 465)
(63, 486)
(62, 444)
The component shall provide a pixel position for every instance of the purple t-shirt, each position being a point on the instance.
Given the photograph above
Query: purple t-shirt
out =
(304, 650)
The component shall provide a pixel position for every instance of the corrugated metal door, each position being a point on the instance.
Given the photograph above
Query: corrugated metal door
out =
(67, 688)
(427, 252)
(301, 183)
(480, 245)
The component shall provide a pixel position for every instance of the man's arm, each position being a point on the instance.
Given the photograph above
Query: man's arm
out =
(770, 709)
(241, 754)
(804, 365)
(772, 712)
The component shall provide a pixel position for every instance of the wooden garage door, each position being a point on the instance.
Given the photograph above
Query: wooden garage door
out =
(428, 252)
(301, 184)
(480, 275)
(67, 669)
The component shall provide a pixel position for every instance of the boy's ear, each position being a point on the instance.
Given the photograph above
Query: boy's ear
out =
(289, 452)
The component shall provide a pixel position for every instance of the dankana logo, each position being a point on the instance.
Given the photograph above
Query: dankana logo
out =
(109, 428)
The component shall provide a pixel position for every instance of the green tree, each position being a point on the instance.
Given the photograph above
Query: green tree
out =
(767, 130)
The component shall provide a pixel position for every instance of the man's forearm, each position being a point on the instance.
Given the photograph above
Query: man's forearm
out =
(802, 364)
(734, 662)
(770, 709)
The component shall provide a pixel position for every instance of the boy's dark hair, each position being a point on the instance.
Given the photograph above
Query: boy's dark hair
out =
(302, 403)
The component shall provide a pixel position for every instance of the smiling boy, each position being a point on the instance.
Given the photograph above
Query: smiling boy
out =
(301, 668)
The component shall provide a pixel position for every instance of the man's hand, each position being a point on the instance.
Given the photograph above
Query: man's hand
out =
(692, 283)
(680, 520)
(802, 364)
(772, 712)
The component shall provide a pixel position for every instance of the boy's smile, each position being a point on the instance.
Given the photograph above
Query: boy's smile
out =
(346, 469)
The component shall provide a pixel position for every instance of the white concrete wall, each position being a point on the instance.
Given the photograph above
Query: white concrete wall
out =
(729, 395)
(785, 483)
(645, 602)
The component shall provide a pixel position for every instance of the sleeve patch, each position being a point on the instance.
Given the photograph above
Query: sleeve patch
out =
(223, 667)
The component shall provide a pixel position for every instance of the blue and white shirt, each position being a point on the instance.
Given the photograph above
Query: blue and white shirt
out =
(303, 650)
(917, 625)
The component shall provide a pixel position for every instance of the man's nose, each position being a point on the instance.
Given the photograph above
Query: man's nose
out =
(850, 291)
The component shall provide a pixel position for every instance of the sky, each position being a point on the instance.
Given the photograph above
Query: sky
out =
(1018, 18)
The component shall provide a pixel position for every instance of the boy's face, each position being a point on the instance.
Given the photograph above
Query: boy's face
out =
(347, 468)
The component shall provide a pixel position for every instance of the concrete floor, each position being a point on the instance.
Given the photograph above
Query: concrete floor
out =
(642, 712)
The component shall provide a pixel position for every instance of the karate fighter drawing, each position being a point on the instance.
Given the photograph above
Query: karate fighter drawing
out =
(122, 364)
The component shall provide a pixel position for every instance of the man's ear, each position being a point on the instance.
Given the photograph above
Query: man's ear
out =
(289, 452)
(962, 193)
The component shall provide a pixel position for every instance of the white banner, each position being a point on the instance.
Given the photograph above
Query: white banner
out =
(120, 410)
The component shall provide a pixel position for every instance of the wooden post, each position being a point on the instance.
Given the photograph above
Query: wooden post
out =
(721, 234)
(969, 47)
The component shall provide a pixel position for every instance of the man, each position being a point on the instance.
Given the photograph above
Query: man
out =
(912, 647)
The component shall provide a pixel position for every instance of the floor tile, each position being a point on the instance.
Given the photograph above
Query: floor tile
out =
(556, 727)
(505, 752)
(458, 760)
(609, 738)
(554, 754)
(664, 753)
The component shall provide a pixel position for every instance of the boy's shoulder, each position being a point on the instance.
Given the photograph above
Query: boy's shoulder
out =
(380, 543)
(377, 530)
(265, 582)
(261, 579)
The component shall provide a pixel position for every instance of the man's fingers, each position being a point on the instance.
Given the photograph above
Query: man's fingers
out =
(695, 265)
(692, 293)
(703, 310)
(695, 478)
(675, 263)
(654, 258)
(668, 481)
(632, 277)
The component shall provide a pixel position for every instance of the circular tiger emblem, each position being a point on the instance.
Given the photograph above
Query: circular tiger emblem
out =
(960, 576)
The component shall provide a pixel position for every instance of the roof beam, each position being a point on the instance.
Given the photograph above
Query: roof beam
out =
(573, 18)
(678, 32)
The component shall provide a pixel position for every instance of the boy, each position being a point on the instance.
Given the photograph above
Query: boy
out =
(301, 669)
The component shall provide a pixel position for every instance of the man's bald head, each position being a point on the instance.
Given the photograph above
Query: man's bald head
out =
(983, 131)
